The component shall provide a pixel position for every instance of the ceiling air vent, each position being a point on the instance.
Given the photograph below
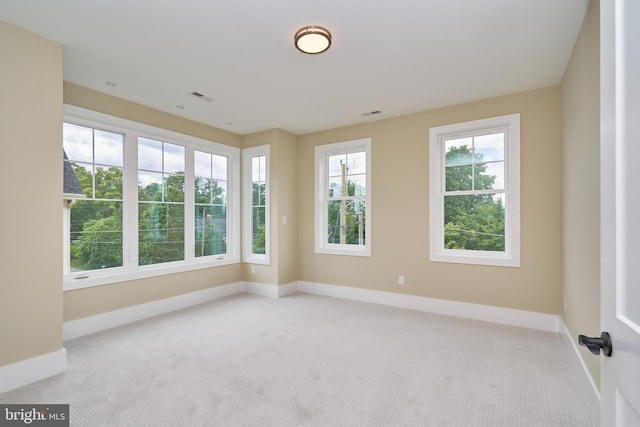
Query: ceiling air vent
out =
(202, 96)
(371, 113)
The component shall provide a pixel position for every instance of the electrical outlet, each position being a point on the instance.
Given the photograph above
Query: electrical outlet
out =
(401, 280)
(253, 269)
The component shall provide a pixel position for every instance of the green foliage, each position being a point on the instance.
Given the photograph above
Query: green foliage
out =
(96, 223)
(471, 222)
(259, 240)
(99, 245)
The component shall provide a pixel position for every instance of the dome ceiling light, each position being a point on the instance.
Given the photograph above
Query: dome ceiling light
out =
(312, 39)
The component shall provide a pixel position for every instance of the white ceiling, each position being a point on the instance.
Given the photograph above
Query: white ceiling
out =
(399, 57)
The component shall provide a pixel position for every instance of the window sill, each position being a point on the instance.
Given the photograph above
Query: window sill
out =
(118, 275)
(476, 258)
(344, 250)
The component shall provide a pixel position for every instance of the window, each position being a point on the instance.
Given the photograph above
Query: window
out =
(343, 198)
(161, 168)
(95, 230)
(256, 205)
(211, 183)
(156, 202)
(475, 192)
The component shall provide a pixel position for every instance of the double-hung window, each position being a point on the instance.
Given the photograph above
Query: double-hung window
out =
(475, 192)
(343, 198)
(154, 201)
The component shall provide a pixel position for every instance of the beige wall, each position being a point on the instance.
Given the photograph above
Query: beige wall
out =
(400, 211)
(31, 300)
(581, 179)
(90, 301)
(31, 188)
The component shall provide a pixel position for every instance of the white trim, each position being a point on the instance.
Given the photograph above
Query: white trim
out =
(569, 344)
(261, 289)
(288, 289)
(321, 155)
(270, 291)
(510, 124)
(507, 316)
(131, 270)
(100, 322)
(32, 370)
(111, 319)
(103, 321)
(247, 205)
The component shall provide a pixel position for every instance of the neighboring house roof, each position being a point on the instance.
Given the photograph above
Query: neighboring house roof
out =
(72, 187)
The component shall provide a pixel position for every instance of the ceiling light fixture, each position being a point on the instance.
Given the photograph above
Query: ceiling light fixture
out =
(313, 39)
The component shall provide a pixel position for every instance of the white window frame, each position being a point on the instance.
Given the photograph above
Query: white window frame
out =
(247, 200)
(131, 270)
(322, 153)
(510, 124)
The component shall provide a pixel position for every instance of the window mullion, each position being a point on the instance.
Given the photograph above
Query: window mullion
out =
(130, 226)
(189, 206)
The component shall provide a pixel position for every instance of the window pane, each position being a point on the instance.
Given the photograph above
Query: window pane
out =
(219, 193)
(108, 148)
(357, 185)
(458, 152)
(346, 222)
(219, 167)
(108, 182)
(84, 173)
(259, 196)
(174, 188)
(458, 178)
(258, 169)
(96, 235)
(211, 209)
(210, 233)
(202, 164)
(335, 186)
(489, 176)
(95, 226)
(150, 186)
(489, 148)
(335, 164)
(258, 232)
(356, 163)
(160, 232)
(149, 154)
(173, 158)
(474, 222)
(203, 189)
(78, 143)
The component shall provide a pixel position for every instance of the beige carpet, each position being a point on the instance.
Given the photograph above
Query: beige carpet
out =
(308, 360)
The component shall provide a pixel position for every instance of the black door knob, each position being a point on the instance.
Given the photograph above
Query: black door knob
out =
(596, 344)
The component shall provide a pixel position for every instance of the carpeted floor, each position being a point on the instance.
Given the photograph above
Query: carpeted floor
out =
(308, 360)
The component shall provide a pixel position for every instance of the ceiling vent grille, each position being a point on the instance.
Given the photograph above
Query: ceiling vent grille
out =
(202, 96)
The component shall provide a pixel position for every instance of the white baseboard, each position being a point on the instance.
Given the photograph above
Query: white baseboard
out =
(288, 289)
(271, 291)
(526, 319)
(99, 322)
(261, 289)
(573, 351)
(111, 319)
(31, 370)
